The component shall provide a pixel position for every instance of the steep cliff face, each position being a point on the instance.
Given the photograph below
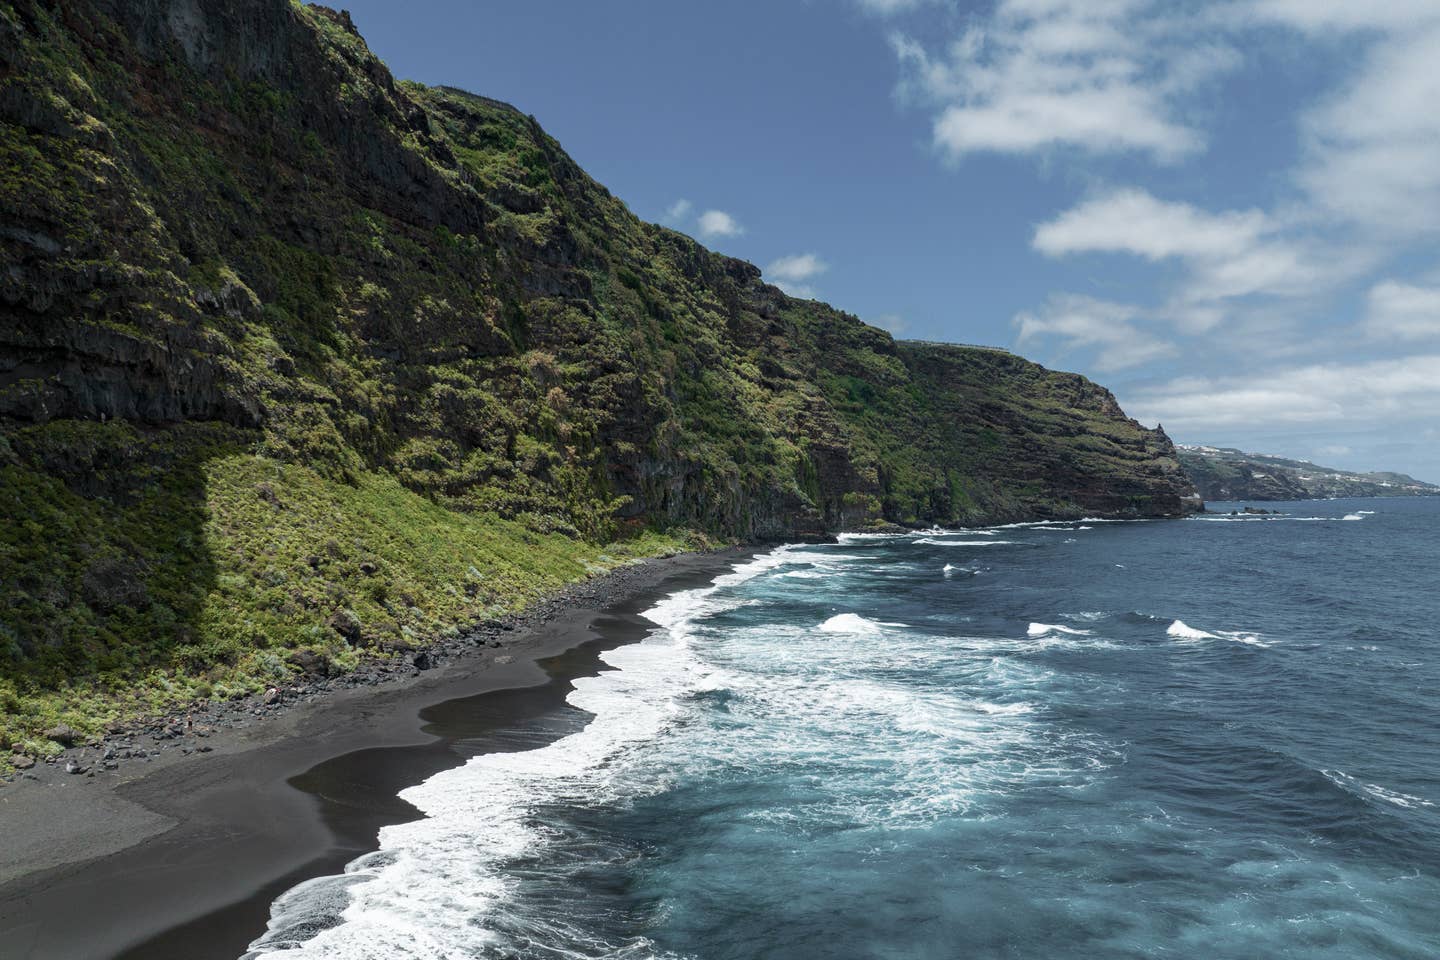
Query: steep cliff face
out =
(237, 255)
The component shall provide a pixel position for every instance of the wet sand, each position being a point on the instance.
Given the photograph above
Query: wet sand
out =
(184, 861)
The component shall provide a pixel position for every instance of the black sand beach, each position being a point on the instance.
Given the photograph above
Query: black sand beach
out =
(183, 858)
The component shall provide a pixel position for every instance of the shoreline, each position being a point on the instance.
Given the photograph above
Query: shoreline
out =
(183, 857)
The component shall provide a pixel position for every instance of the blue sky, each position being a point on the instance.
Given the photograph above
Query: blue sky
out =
(1226, 211)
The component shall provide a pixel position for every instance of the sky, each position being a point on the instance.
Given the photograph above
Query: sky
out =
(1226, 212)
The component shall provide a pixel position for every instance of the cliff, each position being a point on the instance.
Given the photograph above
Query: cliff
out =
(300, 363)
(1222, 473)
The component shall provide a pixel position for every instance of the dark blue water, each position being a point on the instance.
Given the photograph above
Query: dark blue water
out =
(1206, 738)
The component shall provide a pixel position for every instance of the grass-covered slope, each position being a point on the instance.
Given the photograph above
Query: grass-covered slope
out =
(296, 358)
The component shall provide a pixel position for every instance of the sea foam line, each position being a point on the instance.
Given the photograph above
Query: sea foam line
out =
(1044, 629)
(1393, 797)
(422, 893)
(1180, 630)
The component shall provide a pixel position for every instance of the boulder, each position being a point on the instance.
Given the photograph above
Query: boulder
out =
(63, 734)
(345, 623)
(311, 663)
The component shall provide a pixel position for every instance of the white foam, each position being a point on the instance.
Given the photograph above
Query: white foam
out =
(1247, 638)
(1058, 523)
(960, 532)
(1182, 631)
(1353, 516)
(420, 895)
(1185, 632)
(861, 537)
(999, 709)
(445, 887)
(1043, 629)
(854, 623)
(1394, 797)
(965, 543)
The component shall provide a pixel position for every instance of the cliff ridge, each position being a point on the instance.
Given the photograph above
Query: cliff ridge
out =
(303, 364)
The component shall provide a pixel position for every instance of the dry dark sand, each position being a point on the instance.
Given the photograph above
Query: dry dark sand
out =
(182, 860)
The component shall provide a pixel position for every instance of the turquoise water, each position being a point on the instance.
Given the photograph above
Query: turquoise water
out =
(1208, 738)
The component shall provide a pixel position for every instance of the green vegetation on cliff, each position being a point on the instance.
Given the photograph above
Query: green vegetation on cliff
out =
(180, 565)
(299, 359)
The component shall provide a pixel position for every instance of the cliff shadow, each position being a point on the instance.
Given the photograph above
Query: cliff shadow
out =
(105, 567)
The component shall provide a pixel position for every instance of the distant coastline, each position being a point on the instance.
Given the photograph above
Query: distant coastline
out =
(1233, 476)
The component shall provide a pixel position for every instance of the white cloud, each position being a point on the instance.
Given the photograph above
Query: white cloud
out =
(887, 8)
(893, 323)
(1229, 255)
(1101, 75)
(794, 273)
(1373, 150)
(718, 223)
(1133, 77)
(1108, 327)
(1370, 148)
(1403, 312)
(1378, 391)
(1327, 15)
(678, 211)
(1133, 221)
(801, 266)
(1335, 450)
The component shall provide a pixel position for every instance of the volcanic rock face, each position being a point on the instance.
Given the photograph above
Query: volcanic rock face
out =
(231, 241)
(231, 211)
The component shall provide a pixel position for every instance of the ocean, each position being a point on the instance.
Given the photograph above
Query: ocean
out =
(1215, 737)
